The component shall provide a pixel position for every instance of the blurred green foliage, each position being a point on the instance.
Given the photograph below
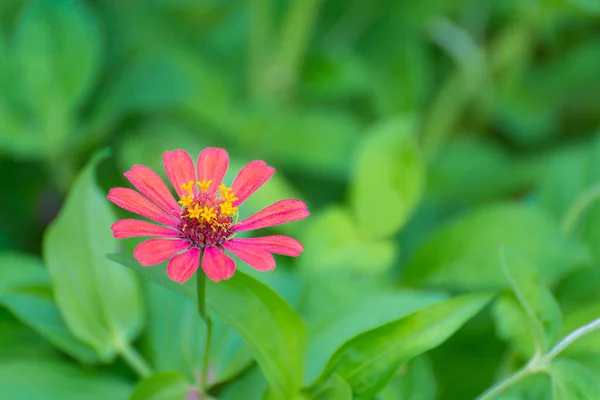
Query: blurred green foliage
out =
(447, 150)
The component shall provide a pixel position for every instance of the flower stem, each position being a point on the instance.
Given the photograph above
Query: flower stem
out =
(500, 387)
(201, 288)
(135, 360)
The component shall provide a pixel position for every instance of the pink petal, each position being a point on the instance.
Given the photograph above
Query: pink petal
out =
(154, 251)
(179, 168)
(250, 179)
(212, 166)
(217, 265)
(284, 245)
(277, 213)
(131, 200)
(127, 228)
(183, 266)
(252, 255)
(153, 187)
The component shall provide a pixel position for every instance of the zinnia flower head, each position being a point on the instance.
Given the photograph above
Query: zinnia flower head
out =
(202, 223)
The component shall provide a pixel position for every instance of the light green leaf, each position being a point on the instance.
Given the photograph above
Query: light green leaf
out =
(163, 386)
(100, 302)
(414, 381)
(57, 380)
(336, 388)
(357, 317)
(389, 178)
(530, 318)
(18, 270)
(368, 361)
(572, 381)
(333, 242)
(271, 329)
(458, 256)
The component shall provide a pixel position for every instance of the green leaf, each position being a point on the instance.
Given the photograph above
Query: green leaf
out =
(163, 386)
(100, 302)
(336, 388)
(50, 36)
(271, 329)
(368, 361)
(333, 242)
(25, 291)
(389, 178)
(530, 318)
(414, 381)
(458, 256)
(572, 381)
(369, 312)
(57, 380)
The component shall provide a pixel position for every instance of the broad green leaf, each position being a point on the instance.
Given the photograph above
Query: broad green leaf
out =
(175, 337)
(572, 381)
(414, 381)
(369, 312)
(462, 255)
(18, 341)
(250, 386)
(19, 270)
(389, 177)
(274, 333)
(37, 378)
(163, 386)
(368, 361)
(336, 388)
(100, 302)
(334, 242)
(529, 317)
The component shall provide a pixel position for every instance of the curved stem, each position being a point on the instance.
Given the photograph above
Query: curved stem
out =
(135, 360)
(501, 386)
(573, 336)
(579, 206)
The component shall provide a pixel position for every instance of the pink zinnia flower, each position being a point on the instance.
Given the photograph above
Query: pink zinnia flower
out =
(201, 224)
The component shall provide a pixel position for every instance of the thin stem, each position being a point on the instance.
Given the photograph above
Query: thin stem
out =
(201, 288)
(135, 360)
(579, 206)
(571, 337)
(500, 387)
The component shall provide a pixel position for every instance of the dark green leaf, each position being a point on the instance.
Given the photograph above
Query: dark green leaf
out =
(368, 361)
(271, 329)
(100, 302)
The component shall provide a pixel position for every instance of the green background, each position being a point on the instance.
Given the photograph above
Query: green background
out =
(448, 150)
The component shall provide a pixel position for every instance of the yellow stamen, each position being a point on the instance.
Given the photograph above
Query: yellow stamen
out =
(227, 208)
(208, 214)
(195, 212)
(186, 201)
(204, 185)
(227, 194)
(188, 187)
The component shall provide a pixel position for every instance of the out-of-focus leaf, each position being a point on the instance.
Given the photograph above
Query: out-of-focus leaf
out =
(368, 361)
(18, 341)
(333, 242)
(100, 302)
(369, 312)
(25, 291)
(572, 381)
(163, 386)
(414, 381)
(534, 325)
(458, 256)
(271, 329)
(250, 386)
(389, 176)
(54, 379)
(336, 388)
(317, 142)
(176, 335)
